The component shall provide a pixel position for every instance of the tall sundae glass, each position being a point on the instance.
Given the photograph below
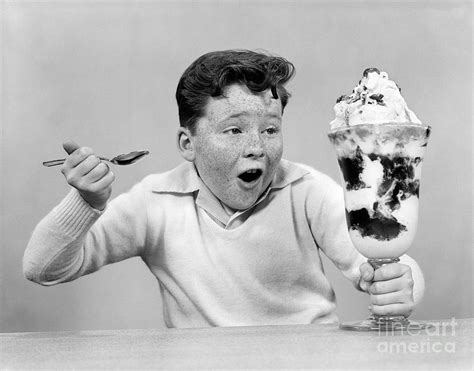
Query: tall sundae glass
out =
(381, 166)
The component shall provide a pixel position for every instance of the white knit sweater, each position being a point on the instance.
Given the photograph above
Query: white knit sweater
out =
(260, 266)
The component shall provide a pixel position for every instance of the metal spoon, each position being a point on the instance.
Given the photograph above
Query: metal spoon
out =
(124, 159)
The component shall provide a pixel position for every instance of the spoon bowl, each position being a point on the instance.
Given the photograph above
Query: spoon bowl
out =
(129, 158)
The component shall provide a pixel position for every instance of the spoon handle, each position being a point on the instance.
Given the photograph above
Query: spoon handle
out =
(62, 160)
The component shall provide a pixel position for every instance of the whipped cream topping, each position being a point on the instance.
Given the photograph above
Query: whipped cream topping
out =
(376, 99)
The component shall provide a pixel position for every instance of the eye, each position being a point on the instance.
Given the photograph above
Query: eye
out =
(233, 131)
(271, 130)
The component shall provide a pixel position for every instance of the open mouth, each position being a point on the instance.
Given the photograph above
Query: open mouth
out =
(251, 175)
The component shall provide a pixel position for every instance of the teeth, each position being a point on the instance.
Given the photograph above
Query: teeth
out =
(250, 175)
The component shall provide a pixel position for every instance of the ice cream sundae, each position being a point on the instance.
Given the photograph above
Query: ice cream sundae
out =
(380, 145)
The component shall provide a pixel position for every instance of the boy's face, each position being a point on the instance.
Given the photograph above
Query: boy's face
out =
(238, 145)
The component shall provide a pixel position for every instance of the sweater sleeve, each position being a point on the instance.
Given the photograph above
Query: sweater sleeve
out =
(326, 214)
(74, 239)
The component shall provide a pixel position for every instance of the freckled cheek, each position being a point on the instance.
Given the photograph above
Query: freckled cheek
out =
(274, 149)
(220, 165)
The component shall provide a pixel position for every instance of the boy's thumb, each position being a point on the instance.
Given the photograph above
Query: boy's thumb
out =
(367, 272)
(366, 276)
(70, 146)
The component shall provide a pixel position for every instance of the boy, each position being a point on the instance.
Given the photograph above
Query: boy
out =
(233, 234)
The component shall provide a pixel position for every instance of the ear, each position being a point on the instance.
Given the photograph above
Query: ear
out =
(186, 144)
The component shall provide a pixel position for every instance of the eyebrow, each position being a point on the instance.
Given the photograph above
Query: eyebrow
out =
(245, 113)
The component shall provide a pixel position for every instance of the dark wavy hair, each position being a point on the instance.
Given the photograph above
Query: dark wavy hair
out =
(208, 75)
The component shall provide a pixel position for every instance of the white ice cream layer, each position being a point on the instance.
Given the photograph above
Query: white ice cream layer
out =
(407, 214)
(376, 99)
(373, 248)
(381, 144)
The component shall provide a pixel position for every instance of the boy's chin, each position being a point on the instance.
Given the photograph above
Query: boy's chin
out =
(243, 201)
(237, 206)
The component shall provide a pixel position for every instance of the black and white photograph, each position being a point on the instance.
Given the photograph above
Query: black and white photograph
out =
(236, 184)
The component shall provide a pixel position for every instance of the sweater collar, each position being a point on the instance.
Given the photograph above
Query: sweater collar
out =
(184, 178)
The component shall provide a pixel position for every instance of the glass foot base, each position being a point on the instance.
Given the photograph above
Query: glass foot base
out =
(384, 324)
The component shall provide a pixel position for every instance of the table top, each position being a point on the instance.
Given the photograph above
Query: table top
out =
(447, 345)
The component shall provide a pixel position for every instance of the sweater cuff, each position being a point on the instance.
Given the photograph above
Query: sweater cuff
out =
(74, 215)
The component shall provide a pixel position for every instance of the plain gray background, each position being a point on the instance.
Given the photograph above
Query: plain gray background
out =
(104, 73)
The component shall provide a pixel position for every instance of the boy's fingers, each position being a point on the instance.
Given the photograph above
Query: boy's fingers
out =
(87, 164)
(103, 183)
(78, 166)
(391, 271)
(391, 298)
(70, 146)
(397, 284)
(79, 157)
(98, 172)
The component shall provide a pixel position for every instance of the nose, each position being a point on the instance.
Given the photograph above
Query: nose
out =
(254, 146)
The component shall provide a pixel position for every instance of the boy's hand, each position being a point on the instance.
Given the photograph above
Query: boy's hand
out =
(88, 174)
(390, 288)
